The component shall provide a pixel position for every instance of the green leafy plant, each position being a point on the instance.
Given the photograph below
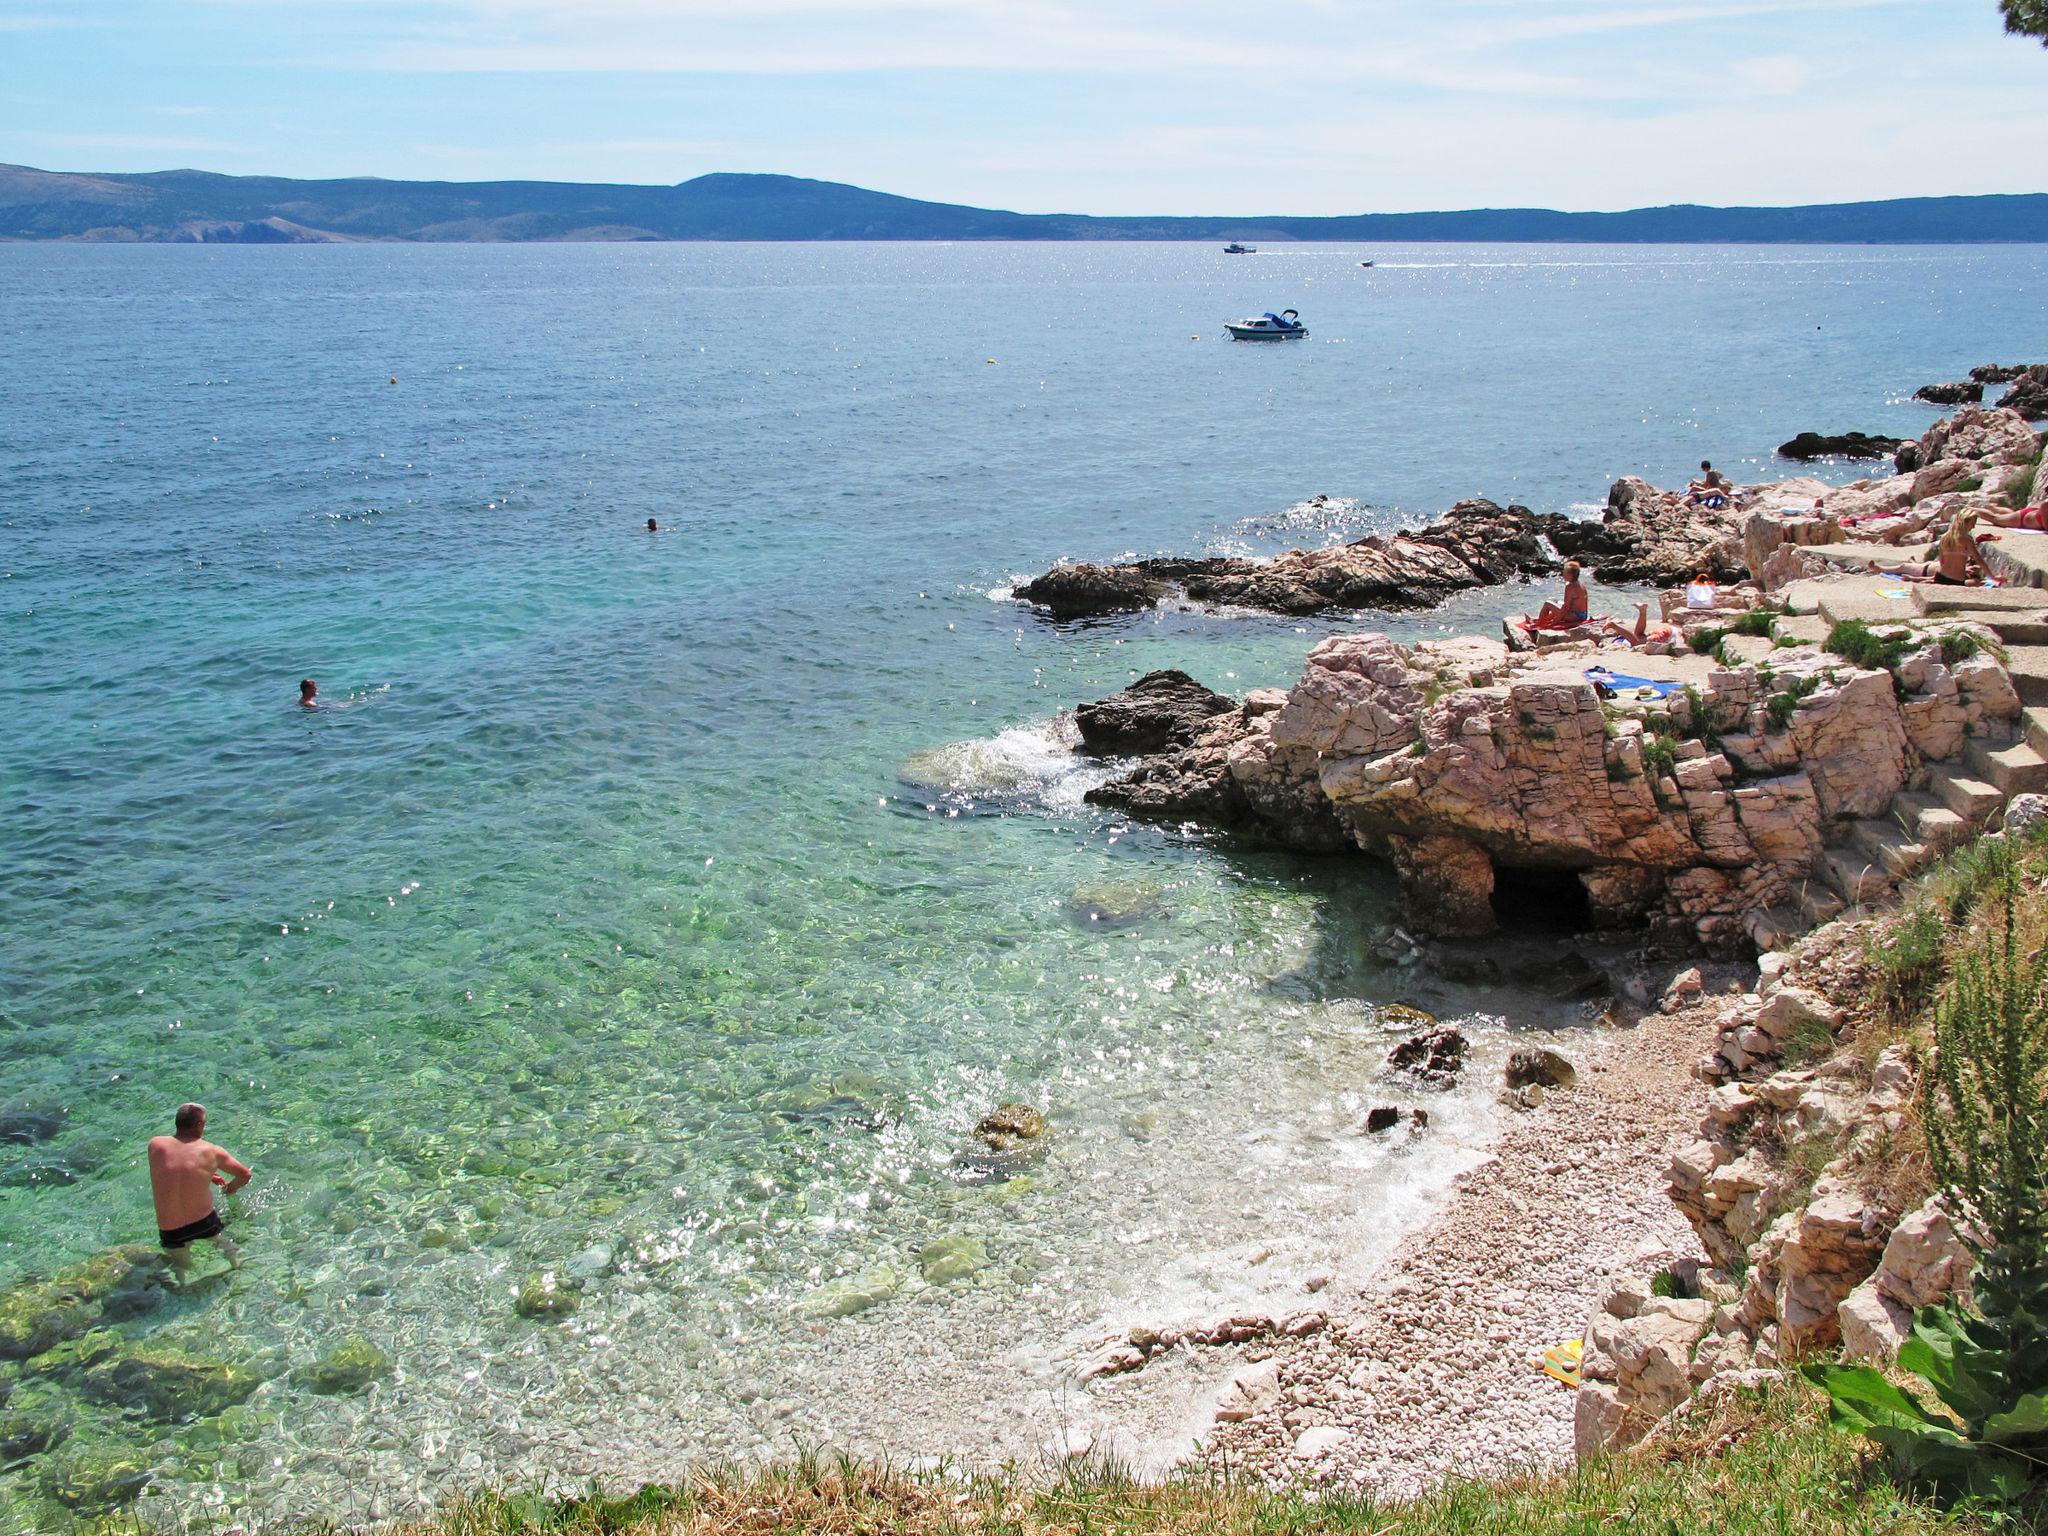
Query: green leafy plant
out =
(1704, 642)
(1781, 706)
(2019, 490)
(1660, 757)
(1755, 622)
(1855, 642)
(1984, 1104)
(1959, 645)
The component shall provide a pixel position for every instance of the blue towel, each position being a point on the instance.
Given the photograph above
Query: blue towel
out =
(1618, 680)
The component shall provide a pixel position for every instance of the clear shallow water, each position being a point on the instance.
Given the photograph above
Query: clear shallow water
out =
(596, 909)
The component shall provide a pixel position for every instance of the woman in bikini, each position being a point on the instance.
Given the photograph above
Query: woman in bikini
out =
(1954, 557)
(1576, 609)
(2035, 518)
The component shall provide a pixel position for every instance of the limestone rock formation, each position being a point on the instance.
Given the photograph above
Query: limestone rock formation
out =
(1476, 543)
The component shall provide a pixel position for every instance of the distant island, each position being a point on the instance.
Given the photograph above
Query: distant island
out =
(199, 206)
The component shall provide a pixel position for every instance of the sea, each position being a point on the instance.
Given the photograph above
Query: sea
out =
(643, 920)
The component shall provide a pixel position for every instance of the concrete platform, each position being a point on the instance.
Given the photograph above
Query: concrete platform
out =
(1857, 557)
(2017, 558)
(1931, 599)
(1873, 599)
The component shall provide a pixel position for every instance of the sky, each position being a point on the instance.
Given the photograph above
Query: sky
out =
(1078, 106)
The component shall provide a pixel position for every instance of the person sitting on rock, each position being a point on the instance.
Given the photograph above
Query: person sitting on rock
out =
(1955, 558)
(1712, 489)
(1574, 611)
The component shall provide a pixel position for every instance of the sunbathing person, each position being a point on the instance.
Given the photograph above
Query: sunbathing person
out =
(2035, 518)
(1610, 629)
(1712, 489)
(1575, 610)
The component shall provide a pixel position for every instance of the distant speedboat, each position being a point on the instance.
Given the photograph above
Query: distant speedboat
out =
(1365, 263)
(1234, 249)
(1268, 327)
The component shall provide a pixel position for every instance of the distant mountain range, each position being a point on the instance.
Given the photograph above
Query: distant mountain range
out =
(273, 210)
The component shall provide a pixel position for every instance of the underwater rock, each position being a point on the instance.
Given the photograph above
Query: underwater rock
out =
(30, 1123)
(348, 1367)
(853, 1293)
(31, 1432)
(1535, 1064)
(1162, 709)
(1119, 905)
(1010, 1125)
(36, 1315)
(1434, 1056)
(1402, 1016)
(590, 1263)
(1384, 1118)
(947, 1259)
(543, 1295)
(91, 1485)
(1565, 979)
(162, 1381)
(756, 1186)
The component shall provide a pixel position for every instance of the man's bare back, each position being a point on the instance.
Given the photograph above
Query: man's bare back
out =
(183, 1171)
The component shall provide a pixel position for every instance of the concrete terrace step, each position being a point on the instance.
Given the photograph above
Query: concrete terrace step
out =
(1853, 877)
(2034, 727)
(2014, 770)
(2028, 665)
(1866, 600)
(1886, 844)
(1972, 799)
(2015, 628)
(1947, 601)
(1926, 820)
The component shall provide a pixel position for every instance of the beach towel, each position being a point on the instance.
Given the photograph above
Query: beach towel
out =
(1563, 621)
(1621, 681)
(1561, 1362)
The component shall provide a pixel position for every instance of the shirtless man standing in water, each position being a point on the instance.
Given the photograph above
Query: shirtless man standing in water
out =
(182, 1172)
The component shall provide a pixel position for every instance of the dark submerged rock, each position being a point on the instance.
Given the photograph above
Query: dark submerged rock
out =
(161, 1381)
(1998, 373)
(1565, 979)
(348, 1367)
(1843, 445)
(1383, 1118)
(37, 1315)
(1009, 1126)
(1433, 1056)
(1161, 709)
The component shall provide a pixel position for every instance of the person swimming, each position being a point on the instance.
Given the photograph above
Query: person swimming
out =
(308, 688)
(652, 526)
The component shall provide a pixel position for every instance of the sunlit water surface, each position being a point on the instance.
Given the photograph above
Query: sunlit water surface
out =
(661, 910)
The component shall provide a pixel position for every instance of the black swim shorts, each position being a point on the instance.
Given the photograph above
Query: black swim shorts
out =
(1948, 581)
(209, 1225)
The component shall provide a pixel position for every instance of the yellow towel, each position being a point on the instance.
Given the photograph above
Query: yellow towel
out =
(1561, 1361)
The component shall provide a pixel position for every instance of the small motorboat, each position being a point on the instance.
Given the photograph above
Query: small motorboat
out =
(1268, 327)
(1365, 263)
(1234, 249)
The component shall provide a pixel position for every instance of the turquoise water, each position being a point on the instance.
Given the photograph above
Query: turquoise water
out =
(594, 918)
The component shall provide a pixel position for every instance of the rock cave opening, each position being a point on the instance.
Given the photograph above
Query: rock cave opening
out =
(1540, 901)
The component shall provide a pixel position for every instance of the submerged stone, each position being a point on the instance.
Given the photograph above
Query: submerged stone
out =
(853, 1293)
(36, 1315)
(1536, 1065)
(1121, 905)
(30, 1123)
(1008, 1126)
(31, 1432)
(1401, 1016)
(543, 1294)
(947, 1259)
(348, 1367)
(163, 1382)
(97, 1483)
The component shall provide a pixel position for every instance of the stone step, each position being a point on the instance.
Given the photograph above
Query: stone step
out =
(1926, 820)
(2028, 665)
(1972, 799)
(1854, 878)
(2018, 628)
(1885, 844)
(2014, 770)
(1818, 904)
(2034, 727)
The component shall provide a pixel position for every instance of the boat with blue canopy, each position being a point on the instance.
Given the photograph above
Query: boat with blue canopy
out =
(1285, 326)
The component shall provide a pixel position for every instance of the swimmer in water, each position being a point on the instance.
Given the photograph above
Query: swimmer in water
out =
(182, 1172)
(652, 526)
(307, 688)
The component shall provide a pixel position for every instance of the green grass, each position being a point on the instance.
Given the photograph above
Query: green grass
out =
(1781, 706)
(1959, 645)
(1855, 642)
(2019, 490)
(1756, 1465)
